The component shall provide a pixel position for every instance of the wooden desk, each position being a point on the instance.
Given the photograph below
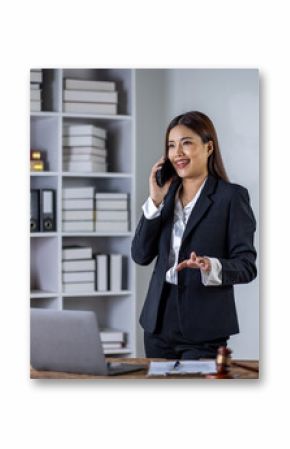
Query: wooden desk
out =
(245, 370)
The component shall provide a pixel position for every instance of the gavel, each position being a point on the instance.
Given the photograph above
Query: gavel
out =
(223, 361)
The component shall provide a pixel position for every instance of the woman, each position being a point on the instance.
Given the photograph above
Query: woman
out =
(201, 229)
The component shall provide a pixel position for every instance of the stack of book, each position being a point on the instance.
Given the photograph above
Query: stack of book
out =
(112, 340)
(35, 90)
(78, 209)
(78, 269)
(109, 272)
(91, 97)
(112, 213)
(84, 148)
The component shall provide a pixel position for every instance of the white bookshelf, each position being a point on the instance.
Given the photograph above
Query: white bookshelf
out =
(116, 309)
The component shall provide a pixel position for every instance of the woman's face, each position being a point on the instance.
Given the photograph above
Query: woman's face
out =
(187, 153)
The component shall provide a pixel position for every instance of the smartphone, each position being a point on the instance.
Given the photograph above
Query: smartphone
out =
(164, 173)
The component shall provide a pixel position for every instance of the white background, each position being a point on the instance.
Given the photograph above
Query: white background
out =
(154, 34)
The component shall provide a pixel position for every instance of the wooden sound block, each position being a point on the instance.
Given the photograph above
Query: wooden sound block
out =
(219, 376)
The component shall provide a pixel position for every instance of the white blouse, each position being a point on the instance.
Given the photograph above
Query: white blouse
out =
(181, 216)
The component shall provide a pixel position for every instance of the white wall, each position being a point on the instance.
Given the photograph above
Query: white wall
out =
(230, 97)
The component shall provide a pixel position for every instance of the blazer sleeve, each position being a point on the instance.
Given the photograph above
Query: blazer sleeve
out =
(240, 266)
(145, 242)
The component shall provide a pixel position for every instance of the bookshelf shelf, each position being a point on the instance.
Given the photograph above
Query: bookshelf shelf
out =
(97, 294)
(114, 309)
(44, 114)
(43, 234)
(96, 117)
(39, 294)
(97, 234)
(44, 173)
(96, 175)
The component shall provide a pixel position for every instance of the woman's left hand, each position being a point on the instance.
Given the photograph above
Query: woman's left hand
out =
(203, 263)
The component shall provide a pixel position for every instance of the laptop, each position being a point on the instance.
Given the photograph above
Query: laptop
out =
(69, 341)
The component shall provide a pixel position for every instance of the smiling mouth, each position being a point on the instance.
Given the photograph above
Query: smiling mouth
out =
(182, 163)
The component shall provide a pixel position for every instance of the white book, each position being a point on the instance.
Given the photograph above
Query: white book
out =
(79, 265)
(111, 205)
(89, 85)
(79, 276)
(115, 272)
(85, 150)
(112, 345)
(91, 108)
(78, 215)
(77, 252)
(84, 130)
(102, 272)
(111, 226)
(78, 226)
(35, 95)
(84, 167)
(83, 141)
(111, 196)
(35, 106)
(77, 204)
(78, 192)
(35, 76)
(79, 287)
(84, 158)
(34, 86)
(111, 215)
(90, 96)
(108, 335)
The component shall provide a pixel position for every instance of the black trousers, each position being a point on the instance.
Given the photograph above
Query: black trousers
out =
(168, 342)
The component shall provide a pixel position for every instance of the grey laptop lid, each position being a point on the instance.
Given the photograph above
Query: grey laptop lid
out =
(66, 340)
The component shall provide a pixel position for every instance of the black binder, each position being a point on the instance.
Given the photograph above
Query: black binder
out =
(34, 210)
(48, 210)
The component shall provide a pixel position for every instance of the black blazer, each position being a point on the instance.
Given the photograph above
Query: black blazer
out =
(221, 225)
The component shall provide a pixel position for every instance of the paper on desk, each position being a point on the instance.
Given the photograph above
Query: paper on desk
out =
(184, 367)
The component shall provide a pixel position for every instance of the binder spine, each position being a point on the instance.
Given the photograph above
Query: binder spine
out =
(34, 210)
(48, 210)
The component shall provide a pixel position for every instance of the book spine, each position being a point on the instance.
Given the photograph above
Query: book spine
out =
(88, 96)
(78, 287)
(89, 85)
(77, 204)
(109, 226)
(85, 150)
(79, 265)
(84, 158)
(77, 253)
(78, 215)
(114, 215)
(78, 226)
(78, 193)
(79, 276)
(83, 167)
(91, 108)
(78, 141)
(84, 130)
(111, 205)
(35, 95)
(102, 283)
(115, 272)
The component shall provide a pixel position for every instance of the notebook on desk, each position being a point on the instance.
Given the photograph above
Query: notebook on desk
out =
(69, 341)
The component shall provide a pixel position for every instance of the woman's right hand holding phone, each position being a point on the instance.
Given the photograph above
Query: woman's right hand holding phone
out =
(157, 193)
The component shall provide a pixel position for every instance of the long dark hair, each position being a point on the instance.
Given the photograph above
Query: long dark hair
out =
(203, 126)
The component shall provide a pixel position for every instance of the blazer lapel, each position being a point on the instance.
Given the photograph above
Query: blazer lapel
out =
(202, 205)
